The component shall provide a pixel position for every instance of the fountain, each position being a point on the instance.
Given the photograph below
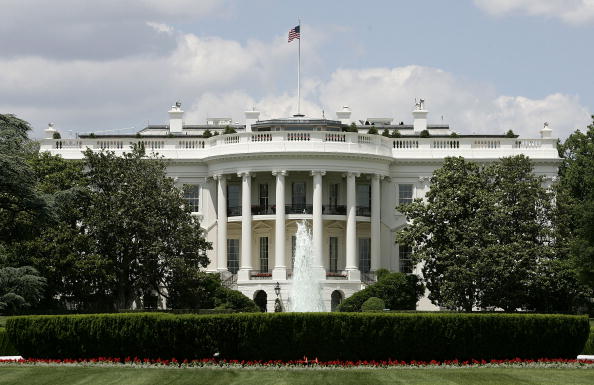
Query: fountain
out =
(306, 293)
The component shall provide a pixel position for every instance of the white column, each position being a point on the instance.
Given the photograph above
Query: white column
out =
(352, 267)
(317, 223)
(246, 226)
(375, 221)
(221, 222)
(280, 268)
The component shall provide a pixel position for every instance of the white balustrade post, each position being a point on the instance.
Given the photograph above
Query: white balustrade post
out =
(280, 268)
(351, 267)
(246, 226)
(375, 221)
(317, 224)
(221, 222)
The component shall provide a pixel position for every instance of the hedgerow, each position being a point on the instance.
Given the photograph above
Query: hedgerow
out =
(289, 336)
(6, 347)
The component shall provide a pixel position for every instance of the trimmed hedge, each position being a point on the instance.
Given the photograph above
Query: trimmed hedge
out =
(288, 336)
(6, 348)
(373, 304)
(589, 347)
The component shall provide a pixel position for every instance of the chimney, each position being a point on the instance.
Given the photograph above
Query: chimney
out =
(344, 115)
(251, 117)
(546, 132)
(176, 118)
(50, 131)
(419, 116)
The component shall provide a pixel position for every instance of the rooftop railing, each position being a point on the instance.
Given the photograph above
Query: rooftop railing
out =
(305, 141)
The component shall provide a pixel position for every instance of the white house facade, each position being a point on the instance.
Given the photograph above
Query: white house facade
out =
(251, 187)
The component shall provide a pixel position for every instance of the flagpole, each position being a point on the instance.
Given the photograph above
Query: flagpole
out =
(299, 73)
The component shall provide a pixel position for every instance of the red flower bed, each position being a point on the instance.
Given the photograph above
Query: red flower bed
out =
(305, 363)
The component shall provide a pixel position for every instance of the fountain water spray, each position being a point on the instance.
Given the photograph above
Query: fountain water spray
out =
(306, 292)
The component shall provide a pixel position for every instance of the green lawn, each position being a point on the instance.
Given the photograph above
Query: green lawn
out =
(96, 375)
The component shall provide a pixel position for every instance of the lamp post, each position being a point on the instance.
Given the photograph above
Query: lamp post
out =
(278, 306)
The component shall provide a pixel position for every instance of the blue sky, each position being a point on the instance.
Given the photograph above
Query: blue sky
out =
(484, 65)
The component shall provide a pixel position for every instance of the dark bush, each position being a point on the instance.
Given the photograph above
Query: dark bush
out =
(235, 300)
(6, 347)
(589, 347)
(372, 131)
(386, 133)
(399, 291)
(425, 134)
(373, 304)
(287, 336)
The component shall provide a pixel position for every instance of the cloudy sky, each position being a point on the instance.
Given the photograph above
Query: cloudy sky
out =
(483, 66)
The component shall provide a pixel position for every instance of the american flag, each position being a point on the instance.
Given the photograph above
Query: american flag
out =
(294, 33)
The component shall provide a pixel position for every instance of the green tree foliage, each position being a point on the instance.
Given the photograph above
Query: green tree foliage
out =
(140, 224)
(484, 237)
(229, 130)
(399, 291)
(424, 134)
(351, 128)
(373, 304)
(386, 133)
(372, 130)
(510, 134)
(20, 287)
(575, 202)
(206, 133)
(22, 210)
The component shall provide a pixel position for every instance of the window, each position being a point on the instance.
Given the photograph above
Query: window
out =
(364, 257)
(363, 200)
(263, 197)
(404, 254)
(263, 254)
(293, 247)
(405, 194)
(298, 199)
(233, 255)
(233, 200)
(333, 252)
(192, 197)
(333, 195)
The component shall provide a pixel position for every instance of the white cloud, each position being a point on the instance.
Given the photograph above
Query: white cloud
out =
(569, 11)
(467, 106)
(160, 27)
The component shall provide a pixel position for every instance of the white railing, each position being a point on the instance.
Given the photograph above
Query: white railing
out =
(316, 141)
(334, 137)
(262, 137)
(445, 144)
(528, 143)
(406, 143)
(298, 136)
(486, 144)
(190, 144)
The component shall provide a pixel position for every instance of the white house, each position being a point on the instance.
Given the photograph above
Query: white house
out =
(250, 188)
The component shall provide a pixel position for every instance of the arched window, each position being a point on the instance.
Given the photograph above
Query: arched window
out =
(260, 298)
(336, 299)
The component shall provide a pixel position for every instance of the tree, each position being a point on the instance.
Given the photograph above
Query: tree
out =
(140, 225)
(398, 291)
(20, 287)
(481, 234)
(22, 210)
(192, 290)
(575, 202)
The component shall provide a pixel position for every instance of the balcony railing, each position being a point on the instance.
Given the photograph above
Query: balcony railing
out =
(233, 211)
(188, 147)
(333, 210)
(298, 209)
(363, 211)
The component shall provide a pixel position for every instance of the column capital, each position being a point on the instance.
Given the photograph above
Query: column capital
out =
(280, 172)
(351, 173)
(242, 174)
(318, 172)
(219, 176)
